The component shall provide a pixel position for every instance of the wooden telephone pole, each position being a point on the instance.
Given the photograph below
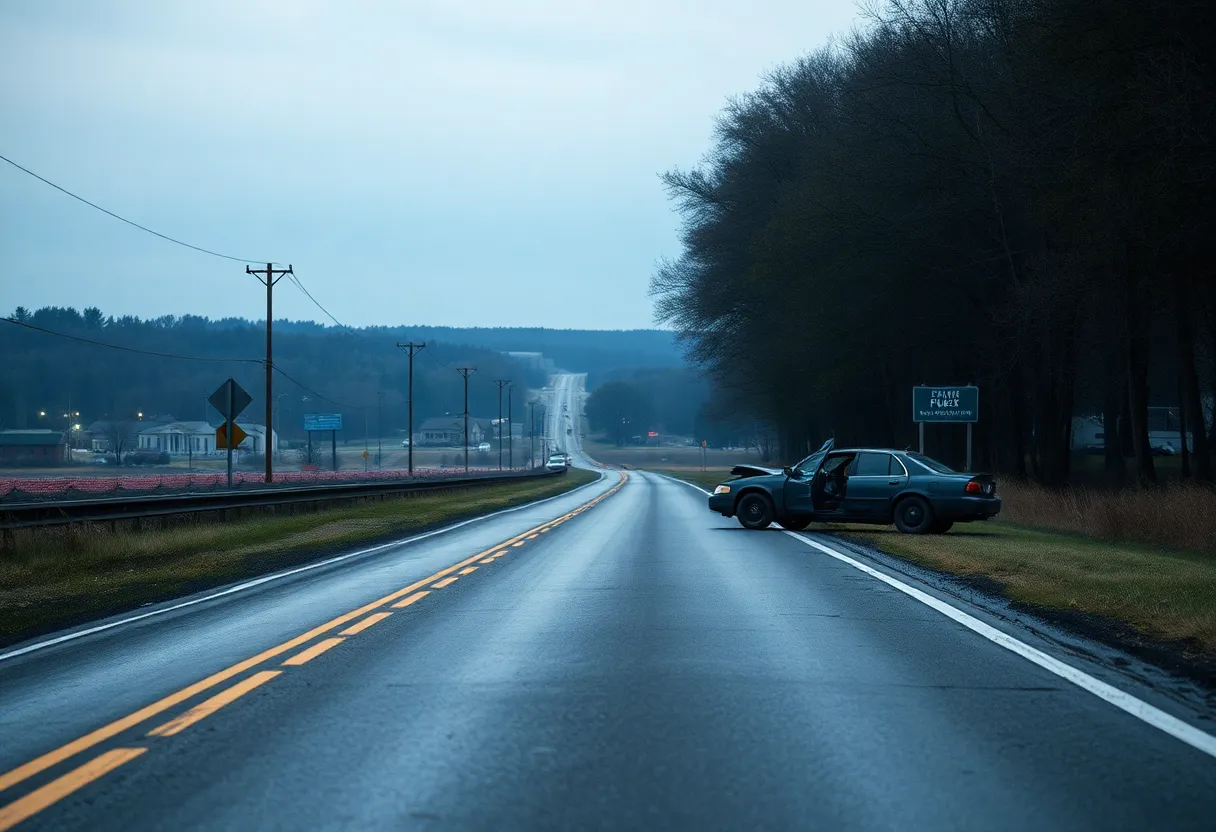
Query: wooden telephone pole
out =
(501, 382)
(272, 276)
(413, 349)
(466, 372)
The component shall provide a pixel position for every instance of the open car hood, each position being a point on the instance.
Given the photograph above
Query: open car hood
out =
(753, 471)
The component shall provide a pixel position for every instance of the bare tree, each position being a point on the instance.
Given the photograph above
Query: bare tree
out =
(121, 436)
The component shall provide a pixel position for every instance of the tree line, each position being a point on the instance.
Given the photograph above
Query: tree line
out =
(172, 364)
(1016, 194)
(668, 400)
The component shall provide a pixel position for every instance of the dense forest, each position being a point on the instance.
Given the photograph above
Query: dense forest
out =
(168, 366)
(1010, 193)
(577, 350)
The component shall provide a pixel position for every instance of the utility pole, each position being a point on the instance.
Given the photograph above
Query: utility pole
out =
(68, 430)
(510, 430)
(501, 382)
(466, 372)
(412, 349)
(273, 276)
(379, 430)
(532, 433)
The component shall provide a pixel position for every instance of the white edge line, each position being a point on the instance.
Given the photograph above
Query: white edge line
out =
(681, 482)
(1122, 700)
(41, 645)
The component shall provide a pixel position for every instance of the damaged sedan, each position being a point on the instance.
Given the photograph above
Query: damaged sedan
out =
(878, 486)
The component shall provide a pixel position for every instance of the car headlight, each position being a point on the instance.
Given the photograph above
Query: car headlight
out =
(722, 489)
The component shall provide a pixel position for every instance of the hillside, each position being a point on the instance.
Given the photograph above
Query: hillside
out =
(115, 367)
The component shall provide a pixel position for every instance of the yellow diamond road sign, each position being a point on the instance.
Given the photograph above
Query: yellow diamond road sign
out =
(221, 436)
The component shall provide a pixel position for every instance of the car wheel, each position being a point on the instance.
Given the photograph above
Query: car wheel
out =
(754, 511)
(913, 515)
(941, 526)
(795, 524)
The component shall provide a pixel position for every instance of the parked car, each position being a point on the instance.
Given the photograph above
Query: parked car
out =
(858, 485)
(556, 463)
(484, 446)
(405, 443)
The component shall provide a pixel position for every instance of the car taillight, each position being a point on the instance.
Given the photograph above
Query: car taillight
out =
(974, 487)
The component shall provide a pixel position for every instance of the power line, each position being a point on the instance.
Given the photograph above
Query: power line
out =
(312, 392)
(130, 222)
(294, 279)
(96, 343)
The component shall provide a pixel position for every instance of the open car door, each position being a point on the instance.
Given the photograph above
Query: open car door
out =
(798, 492)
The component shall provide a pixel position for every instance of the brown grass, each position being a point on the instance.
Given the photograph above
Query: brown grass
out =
(1181, 517)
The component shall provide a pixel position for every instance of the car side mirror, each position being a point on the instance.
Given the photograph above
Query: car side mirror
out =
(789, 472)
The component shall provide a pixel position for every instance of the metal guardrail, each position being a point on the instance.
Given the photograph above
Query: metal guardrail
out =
(43, 513)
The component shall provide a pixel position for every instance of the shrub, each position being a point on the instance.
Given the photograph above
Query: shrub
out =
(1176, 516)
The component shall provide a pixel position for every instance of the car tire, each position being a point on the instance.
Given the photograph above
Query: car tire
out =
(754, 511)
(941, 526)
(795, 524)
(914, 515)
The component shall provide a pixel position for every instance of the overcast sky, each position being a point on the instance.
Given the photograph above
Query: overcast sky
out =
(475, 163)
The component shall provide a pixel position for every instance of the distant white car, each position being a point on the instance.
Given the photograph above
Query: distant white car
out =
(405, 443)
(484, 446)
(556, 463)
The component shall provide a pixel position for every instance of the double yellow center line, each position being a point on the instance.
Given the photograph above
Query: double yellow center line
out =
(57, 789)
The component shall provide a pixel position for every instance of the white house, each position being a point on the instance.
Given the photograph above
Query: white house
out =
(1089, 434)
(186, 438)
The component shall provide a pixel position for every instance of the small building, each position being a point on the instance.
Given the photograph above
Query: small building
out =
(32, 447)
(179, 438)
(1088, 433)
(448, 431)
(197, 438)
(1164, 429)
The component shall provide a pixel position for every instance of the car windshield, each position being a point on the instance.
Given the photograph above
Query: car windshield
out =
(932, 464)
(808, 465)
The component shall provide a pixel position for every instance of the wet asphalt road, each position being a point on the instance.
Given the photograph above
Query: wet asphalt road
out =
(644, 664)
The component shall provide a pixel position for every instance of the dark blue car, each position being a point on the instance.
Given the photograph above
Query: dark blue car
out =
(858, 485)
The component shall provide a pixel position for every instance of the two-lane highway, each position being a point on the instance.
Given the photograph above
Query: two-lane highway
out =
(616, 659)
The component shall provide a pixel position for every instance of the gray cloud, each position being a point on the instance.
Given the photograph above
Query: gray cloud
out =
(448, 163)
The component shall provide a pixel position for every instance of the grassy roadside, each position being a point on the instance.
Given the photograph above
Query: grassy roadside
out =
(1064, 558)
(1166, 595)
(53, 580)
